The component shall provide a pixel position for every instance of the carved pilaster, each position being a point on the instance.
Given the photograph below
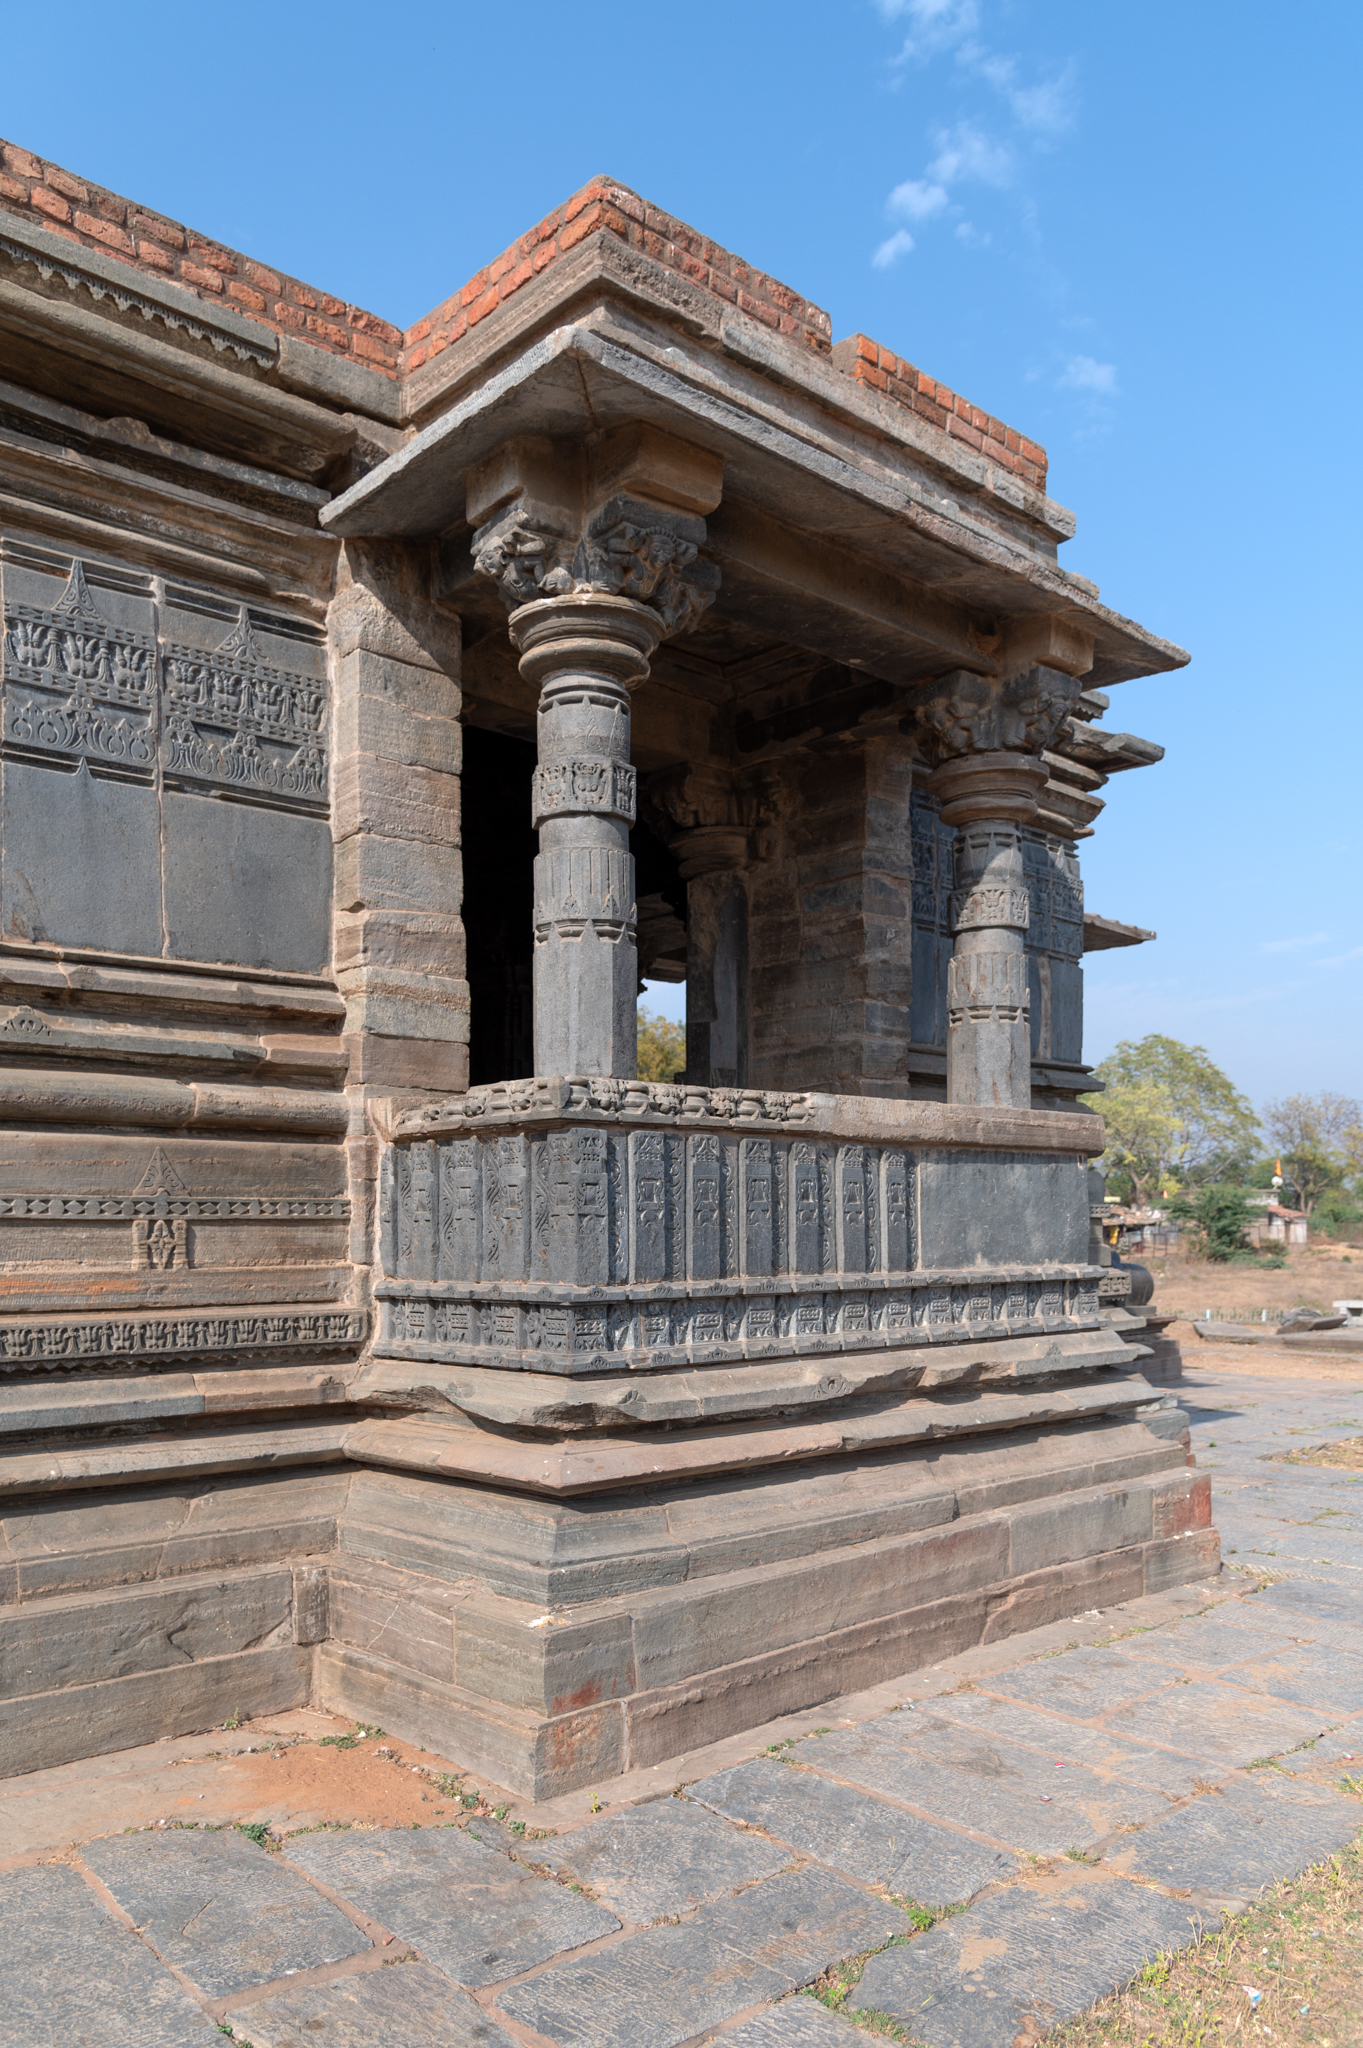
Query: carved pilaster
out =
(986, 737)
(707, 818)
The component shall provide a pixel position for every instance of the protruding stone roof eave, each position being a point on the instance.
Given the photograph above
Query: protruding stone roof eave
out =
(798, 462)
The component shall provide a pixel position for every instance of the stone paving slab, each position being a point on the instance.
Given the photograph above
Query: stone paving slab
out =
(664, 1858)
(471, 1911)
(1086, 1683)
(1070, 1742)
(669, 1984)
(1025, 1805)
(881, 1844)
(1213, 1717)
(1340, 1749)
(1047, 1951)
(798, 2022)
(225, 1912)
(1243, 1836)
(72, 1974)
(1309, 1598)
(407, 2006)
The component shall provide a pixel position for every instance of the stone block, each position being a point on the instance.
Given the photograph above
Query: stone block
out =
(670, 1985)
(1217, 1719)
(380, 1062)
(1086, 1683)
(397, 874)
(397, 627)
(974, 1210)
(223, 899)
(558, 1668)
(389, 710)
(1182, 1560)
(660, 1860)
(311, 1604)
(533, 1757)
(76, 1641)
(1042, 1954)
(41, 1730)
(414, 2007)
(395, 799)
(867, 1838)
(389, 1614)
(225, 1912)
(1067, 1742)
(470, 1910)
(417, 942)
(1182, 1502)
(73, 1973)
(1083, 1525)
(82, 859)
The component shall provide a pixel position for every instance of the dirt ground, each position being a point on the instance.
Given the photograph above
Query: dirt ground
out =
(1315, 1275)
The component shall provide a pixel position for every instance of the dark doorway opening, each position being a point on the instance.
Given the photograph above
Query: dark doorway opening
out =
(499, 904)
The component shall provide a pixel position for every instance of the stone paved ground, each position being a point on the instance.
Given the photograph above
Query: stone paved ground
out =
(1010, 1835)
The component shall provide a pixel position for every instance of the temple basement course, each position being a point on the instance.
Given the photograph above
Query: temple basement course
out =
(378, 708)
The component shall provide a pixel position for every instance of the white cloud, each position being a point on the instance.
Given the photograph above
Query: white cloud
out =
(1339, 959)
(1295, 945)
(1082, 373)
(899, 244)
(916, 199)
(965, 151)
(934, 25)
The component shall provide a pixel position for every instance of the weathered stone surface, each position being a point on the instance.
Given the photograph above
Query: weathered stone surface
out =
(669, 1984)
(1217, 1719)
(1248, 1833)
(661, 1859)
(867, 1838)
(1068, 1742)
(996, 1789)
(408, 2007)
(73, 1975)
(71, 1641)
(472, 1912)
(1044, 1952)
(798, 2022)
(1086, 1683)
(220, 1909)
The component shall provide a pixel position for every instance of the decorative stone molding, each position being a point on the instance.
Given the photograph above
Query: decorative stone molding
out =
(964, 714)
(38, 1346)
(576, 1096)
(626, 549)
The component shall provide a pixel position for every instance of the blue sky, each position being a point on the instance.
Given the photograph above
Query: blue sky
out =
(1131, 231)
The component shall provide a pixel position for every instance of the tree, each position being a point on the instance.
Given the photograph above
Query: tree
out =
(1321, 1141)
(1222, 1215)
(1170, 1113)
(662, 1046)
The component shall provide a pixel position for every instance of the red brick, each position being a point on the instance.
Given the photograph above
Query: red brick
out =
(522, 274)
(1030, 452)
(152, 258)
(336, 307)
(589, 196)
(326, 330)
(104, 231)
(263, 279)
(160, 230)
(12, 188)
(63, 182)
(415, 359)
(583, 224)
(19, 160)
(372, 351)
(213, 259)
(420, 331)
(499, 267)
(480, 308)
(300, 295)
(207, 280)
(244, 296)
(50, 203)
(112, 207)
(474, 289)
(544, 256)
(748, 304)
(286, 315)
(628, 202)
(368, 323)
(439, 345)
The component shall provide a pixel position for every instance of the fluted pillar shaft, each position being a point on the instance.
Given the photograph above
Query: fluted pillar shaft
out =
(585, 653)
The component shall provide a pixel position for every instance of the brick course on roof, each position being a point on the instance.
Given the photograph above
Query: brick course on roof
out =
(97, 219)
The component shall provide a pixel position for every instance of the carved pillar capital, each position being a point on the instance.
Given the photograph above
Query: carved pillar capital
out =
(963, 714)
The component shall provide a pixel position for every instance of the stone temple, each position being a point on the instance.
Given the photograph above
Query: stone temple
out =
(377, 708)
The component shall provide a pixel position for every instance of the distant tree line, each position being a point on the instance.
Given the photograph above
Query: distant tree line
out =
(1181, 1136)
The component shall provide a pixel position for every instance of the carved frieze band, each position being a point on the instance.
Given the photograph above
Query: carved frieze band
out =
(79, 687)
(989, 908)
(600, 1096)
(594, 787)
(31, 1346)
(577, 886)
(985, 988)
(598, 1206)
(593, 1336)
(161, 1240)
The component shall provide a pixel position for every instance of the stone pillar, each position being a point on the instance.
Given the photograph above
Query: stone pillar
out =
(988, 798)
(585, 653)
(712, 858)
(986, 736)
(595, 548)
